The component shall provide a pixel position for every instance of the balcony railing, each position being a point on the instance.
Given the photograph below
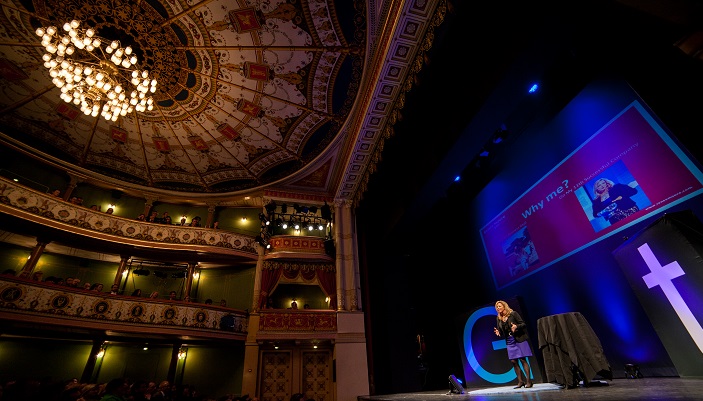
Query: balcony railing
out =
(43, 303)
(27, 203)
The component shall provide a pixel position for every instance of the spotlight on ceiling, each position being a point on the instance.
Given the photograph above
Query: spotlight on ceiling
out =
(270, 207)
(160, 274)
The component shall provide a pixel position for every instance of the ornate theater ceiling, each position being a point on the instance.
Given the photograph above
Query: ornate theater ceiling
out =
(293, 95)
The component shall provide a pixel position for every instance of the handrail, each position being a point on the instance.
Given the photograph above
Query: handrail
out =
(39, 302)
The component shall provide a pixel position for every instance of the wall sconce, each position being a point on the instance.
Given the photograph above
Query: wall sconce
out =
(124, 273)
(182, 353)
(244, 219)
(196, 275)
(101, 353)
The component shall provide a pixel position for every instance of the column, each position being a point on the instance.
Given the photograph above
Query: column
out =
(257, 278)
(89, 368)
(71, 186)
(211, 208)
(31, 263)
(189, 279)
(149, 204)
(347, 260)
(120, 269)
(171, 376)
(339, 251)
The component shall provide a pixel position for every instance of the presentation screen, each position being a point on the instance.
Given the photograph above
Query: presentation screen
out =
(625, 172)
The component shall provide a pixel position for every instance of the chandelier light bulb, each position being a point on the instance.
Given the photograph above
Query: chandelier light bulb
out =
(97, 83)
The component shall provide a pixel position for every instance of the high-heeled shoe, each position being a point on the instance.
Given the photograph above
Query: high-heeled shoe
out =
(520, 384)
(528, 385)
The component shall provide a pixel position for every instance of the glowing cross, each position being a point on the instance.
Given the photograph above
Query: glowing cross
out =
(662, 276)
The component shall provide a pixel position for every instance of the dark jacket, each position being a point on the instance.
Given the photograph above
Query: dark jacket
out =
(520, 333)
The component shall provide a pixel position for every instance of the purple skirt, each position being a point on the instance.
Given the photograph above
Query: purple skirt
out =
(517, 350)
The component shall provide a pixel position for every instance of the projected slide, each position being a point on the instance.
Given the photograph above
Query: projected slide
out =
(625, 172)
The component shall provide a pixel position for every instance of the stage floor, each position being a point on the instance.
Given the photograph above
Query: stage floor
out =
(646, 389)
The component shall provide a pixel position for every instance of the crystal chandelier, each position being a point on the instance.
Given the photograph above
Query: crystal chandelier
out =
(96, 74)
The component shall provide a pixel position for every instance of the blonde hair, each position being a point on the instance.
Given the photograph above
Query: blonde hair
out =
(506, 308)
(608, 184)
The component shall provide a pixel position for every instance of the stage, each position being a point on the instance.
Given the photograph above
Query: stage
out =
(645, 389)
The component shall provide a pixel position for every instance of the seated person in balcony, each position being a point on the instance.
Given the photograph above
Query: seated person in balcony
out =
(96, 287)
(154, 217)
(109, 210)
(9, 272)
(154, 295)
(166, 219)
(141, 217)
(56, 193)
(94, 207)
(172, 296)
(87, 286)
(195, 222)
(208, 301)
(294, 305)
(137, 293)
(37, 276)
(115, 289)
(223, 303)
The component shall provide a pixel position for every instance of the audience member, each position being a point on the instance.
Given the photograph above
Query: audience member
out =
(116, 390)
(163, 392)
(223, 302)
(137, 293)
(56, 192)
(195, 222)
(165, 218)
(208, 301)
(138, 391)
(141, 217)
(110, 210)
(95, 207)
(216, 225)
(87, 286)
(154, 217)
(37, 276)
(172, 296)
(115, 289)
(9, 272)
(97, 287)
(154, 295)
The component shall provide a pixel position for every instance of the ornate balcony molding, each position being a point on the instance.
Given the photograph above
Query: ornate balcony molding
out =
(297, 323)
(45, 209)
(40, 303)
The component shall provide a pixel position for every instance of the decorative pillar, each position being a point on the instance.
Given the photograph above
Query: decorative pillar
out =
(71, 186)
(189, 278)
(171, 376)
(31, 263)
(346, 257)
(211, 208)
(89, 368)
(339, 258)
(148, 204)
(120, 269)
(257, 278)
